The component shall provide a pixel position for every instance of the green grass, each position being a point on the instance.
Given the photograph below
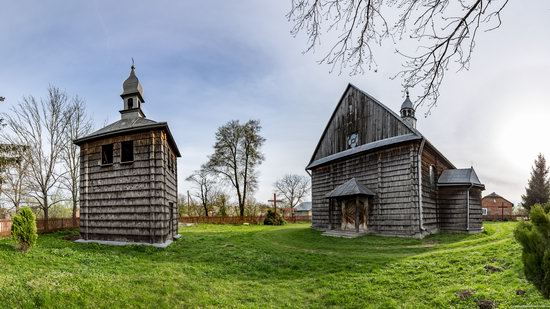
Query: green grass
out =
(262, 266)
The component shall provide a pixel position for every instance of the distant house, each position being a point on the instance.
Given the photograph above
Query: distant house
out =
(303, 209)
(373, 172)
(494, 206)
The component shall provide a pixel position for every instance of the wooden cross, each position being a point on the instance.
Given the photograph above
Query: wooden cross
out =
(502, 211)
(274, 201)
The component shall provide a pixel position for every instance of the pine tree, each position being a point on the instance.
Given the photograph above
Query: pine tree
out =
(538, 187)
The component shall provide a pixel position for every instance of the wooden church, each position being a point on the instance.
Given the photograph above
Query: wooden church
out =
(128, 177)
(373, 172)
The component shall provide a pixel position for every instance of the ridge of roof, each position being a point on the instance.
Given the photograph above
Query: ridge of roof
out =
(350, 85)
(413, 130)
(494, 195)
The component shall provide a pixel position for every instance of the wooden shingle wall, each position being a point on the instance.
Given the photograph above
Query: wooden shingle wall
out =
(430, 207)
(453, 210)
(390, 173)
(128, 201)
(357, 113)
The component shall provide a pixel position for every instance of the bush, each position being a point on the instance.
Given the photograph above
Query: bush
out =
(534, 237)
(23, 229)
(274, 218)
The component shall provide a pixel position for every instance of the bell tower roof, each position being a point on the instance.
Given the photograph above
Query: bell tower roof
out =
(407, 104)
(132, 86)
(407, 111)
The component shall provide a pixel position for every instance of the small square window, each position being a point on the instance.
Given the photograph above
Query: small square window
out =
(127, 151)
(107, 154)
(484, 211)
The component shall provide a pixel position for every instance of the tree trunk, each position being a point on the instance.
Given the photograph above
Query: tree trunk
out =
(74, 210)
(241, 209)
(205, 209)
(46, 216)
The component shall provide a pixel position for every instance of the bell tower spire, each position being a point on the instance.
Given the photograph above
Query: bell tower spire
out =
(407, 111)
(132, 95)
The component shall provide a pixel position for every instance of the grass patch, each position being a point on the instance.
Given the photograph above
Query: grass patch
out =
(266, 266)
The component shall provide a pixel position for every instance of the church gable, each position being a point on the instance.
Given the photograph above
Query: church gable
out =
(358, 120)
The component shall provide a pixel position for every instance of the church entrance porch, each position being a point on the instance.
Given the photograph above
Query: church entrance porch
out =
(348, 209)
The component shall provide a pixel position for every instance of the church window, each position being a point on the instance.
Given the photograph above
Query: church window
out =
(130, 103)
(107, 154)
(127, 153)
(432, 176)
(353, 140)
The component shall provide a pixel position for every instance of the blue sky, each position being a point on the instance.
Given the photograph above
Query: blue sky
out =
(203, 63)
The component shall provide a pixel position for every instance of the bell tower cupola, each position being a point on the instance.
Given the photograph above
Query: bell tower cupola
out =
(407, 112)
(132, 95)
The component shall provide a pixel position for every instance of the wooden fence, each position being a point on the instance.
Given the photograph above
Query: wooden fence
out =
(239, 220)
(54, 224)
(502, 217)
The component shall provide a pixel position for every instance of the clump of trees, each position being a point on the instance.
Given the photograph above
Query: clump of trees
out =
(534, 237)
(23, 229)
(292, 188)
(538, 187)
(234, 163)
(48, 164)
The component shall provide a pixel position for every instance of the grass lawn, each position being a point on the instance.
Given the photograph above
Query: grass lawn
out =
(262, 266)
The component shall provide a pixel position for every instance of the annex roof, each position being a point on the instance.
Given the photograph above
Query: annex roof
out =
(350, 188)
(459, 177)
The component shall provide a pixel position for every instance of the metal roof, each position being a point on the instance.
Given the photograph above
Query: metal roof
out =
(459, 177)
(129, 125)
(407, 103)
(303, 206)
(132, 85)
(350, 188)
(365, 147)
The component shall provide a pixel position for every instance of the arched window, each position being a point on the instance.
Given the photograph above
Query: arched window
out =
(130, 103)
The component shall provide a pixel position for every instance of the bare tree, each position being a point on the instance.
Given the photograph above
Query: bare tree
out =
(41, 125)
(237, 155)
(15, 172)
(293, 188)
(205, 187)
(79, 125)
(445, 31)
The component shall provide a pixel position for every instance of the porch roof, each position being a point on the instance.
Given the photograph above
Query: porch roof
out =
(351, 187)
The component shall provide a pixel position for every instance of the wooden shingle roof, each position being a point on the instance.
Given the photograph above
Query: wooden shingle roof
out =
(350, 188)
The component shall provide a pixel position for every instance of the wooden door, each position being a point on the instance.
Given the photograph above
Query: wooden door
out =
(354, 215)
